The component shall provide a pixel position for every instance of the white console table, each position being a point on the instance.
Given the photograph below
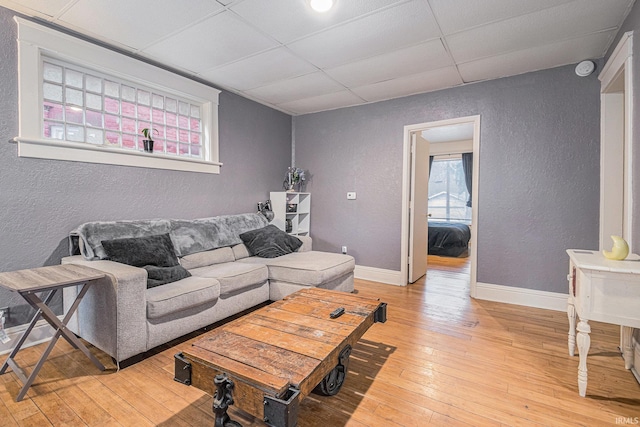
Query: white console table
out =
(606, 291)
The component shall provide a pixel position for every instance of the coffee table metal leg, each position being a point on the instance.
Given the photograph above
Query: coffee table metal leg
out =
(332, 382)
(222, 400)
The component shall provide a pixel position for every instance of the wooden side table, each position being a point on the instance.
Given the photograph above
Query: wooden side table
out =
(47, 280)
(601, 290)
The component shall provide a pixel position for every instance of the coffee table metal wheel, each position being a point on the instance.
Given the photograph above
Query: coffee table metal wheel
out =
(332, 382)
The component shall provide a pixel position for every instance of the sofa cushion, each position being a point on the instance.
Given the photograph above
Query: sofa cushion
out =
(240, 251)
(310, 268)
(181, 295)
(140, 251)
(203, 259)
(270, 242)
(234, 276)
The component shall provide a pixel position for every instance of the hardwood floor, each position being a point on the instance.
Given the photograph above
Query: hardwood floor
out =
(440, 359)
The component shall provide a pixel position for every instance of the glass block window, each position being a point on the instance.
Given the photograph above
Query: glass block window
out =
(81, 105)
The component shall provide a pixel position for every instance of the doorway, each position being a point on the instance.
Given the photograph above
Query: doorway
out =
(411, 245)
(616, 127)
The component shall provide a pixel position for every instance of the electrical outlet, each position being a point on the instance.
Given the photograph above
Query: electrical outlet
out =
(344, 249)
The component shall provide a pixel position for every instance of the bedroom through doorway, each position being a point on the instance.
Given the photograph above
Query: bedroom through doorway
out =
(449, 220)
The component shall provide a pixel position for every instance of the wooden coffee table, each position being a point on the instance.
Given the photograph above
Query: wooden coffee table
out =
(267, 361)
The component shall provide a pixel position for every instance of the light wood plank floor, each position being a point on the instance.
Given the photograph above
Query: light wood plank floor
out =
(441, 359)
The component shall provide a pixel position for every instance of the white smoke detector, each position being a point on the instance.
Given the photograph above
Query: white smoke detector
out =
(585, 68)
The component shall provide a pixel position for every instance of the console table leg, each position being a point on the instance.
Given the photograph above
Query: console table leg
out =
(627, 346)
(571, 313)
(584, 342)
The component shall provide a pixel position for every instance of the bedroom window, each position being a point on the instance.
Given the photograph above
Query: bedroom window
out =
(448, 193)
(82, 102)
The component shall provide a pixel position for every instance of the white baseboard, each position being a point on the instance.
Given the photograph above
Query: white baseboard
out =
(390, 277)
(42, 332)
(522, 296)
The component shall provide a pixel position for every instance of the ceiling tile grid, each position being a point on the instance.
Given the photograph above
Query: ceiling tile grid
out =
(284, 55)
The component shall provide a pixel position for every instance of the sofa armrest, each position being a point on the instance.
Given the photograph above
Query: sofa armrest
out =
(112, 315)
(307, 244)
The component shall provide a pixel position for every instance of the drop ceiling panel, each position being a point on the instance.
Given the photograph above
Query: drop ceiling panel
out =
(215, 41)
(290, 20)
(284, 55)
(329, 101)
(547, 56)
(43, 9)
(426, 56)
(390, 29)
(417, 83)
(567, 21)
(260, 69)
(458, 15)
(135, 23)
(306, 86)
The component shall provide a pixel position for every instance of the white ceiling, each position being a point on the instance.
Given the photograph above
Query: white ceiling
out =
(460, 132)
(282, 54)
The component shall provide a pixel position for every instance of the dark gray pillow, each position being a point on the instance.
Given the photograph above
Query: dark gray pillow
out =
(140, 251)
(270, 242)
(157, 276)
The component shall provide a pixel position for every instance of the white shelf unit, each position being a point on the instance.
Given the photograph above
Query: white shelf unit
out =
(283, 204)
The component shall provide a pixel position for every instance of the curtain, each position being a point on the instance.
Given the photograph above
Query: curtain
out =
(430, 163)
(467, 167)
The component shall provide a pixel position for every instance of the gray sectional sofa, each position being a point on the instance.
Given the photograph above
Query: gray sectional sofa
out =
(123, 317)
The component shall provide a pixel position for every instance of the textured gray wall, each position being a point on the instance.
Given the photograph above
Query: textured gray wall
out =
(539, 166)
(42, 200)
(632, 23)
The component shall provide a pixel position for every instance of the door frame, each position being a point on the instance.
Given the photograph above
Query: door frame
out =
(406, 193)
(616, 147)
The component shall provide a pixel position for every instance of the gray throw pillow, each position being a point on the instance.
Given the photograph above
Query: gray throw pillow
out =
(270, 242)
(140, 251)
(157, 276)
(153, 253)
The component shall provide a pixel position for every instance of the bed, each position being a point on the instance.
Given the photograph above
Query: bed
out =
(449, 238)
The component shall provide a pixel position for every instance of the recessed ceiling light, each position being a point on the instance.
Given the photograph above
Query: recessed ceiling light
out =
(321, 5)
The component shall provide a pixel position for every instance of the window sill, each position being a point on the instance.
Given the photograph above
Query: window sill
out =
(83, 152)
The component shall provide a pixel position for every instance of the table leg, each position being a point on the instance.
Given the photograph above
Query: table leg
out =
(571, 313)
(61, 327)
(222, 399)
(584, 342)
(627, 346)
(26, 333)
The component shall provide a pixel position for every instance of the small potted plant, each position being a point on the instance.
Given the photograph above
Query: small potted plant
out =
(293, 176)
(148, 139)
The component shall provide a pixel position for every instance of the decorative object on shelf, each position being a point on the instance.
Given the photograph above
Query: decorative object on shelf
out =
(292, 208)
(148, 139)
(293, 176)
(288, 226)
(619, 251)
(265, 209)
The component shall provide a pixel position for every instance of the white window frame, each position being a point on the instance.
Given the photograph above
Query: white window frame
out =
(35, 40)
